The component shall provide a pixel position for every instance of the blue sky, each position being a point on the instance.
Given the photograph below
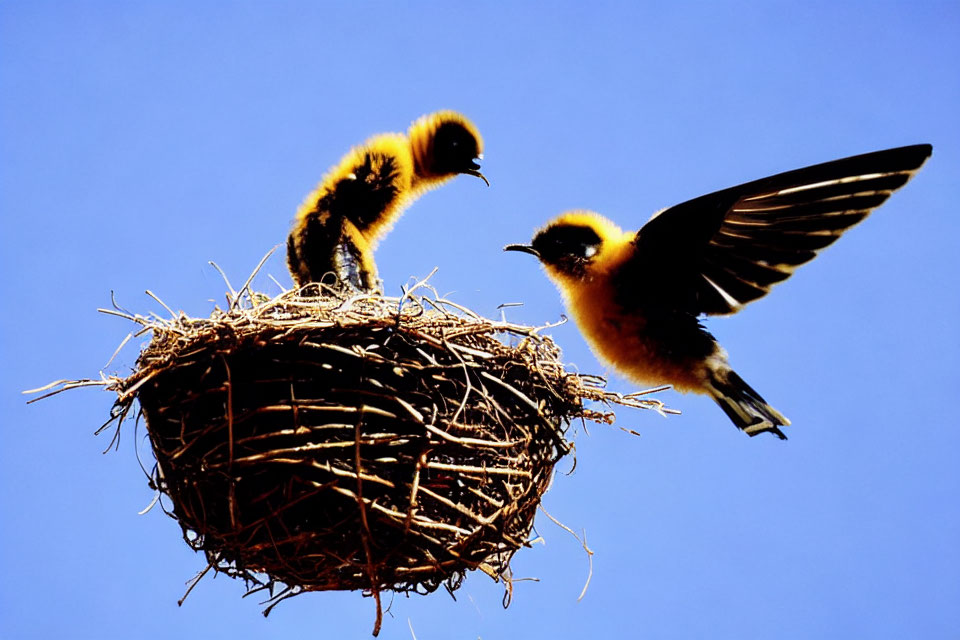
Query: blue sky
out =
(140, 140)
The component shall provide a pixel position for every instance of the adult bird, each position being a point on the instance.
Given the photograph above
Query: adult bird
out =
(637, 296)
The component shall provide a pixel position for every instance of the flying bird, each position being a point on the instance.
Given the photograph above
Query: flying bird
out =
(339, 224)
(637, 296)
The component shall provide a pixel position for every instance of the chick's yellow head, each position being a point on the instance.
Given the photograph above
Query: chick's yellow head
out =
(444, 144)
(575, 245)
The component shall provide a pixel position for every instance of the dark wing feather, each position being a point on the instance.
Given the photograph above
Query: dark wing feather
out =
(716, 253)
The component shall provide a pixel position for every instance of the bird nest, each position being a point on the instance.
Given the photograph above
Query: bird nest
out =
(372, 443)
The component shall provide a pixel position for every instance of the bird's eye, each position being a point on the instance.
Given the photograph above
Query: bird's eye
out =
(454, 149)
(567, 245)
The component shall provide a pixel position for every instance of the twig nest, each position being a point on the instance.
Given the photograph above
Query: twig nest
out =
(372, 443)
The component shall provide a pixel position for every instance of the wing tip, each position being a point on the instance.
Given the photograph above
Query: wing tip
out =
(920, 151)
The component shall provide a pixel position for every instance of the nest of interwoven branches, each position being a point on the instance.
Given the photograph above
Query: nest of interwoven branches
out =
(370, 443)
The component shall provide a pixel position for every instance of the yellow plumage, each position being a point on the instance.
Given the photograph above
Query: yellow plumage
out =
(616, 335)
(339, 224)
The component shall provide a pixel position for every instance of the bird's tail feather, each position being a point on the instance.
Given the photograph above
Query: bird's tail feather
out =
(744, 406)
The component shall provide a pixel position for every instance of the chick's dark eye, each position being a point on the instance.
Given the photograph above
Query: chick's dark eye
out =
(454, 149)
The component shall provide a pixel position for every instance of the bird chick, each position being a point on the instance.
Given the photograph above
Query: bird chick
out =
(637, 296)
(339, 224)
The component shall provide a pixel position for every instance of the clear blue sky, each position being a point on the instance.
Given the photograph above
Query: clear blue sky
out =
(140, 140)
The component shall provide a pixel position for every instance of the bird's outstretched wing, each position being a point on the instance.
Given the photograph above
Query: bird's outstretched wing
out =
(718, 252)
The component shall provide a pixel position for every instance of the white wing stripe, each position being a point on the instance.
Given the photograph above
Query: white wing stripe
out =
(829, 183)
(730, 300)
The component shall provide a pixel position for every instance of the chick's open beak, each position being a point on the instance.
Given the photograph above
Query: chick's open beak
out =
(475, 171)
(525, 248)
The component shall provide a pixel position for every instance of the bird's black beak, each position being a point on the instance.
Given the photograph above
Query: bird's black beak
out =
(474, 169)
(474, 172)
(525, 248)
